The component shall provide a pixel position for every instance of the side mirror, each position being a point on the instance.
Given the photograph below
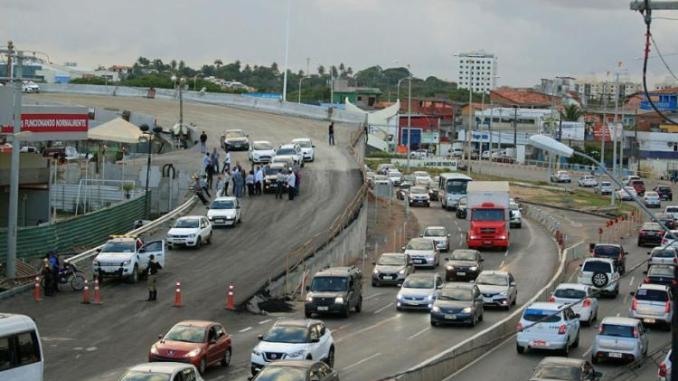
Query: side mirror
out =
(513, 284)
(159, 337)
(577, 316)
(260, 337)
(439, 286)
(213, 341)
(308, 288)
(649, 253)
(448, 235)
(237, 207)
(374, 263)
(644, 272)
(581, 264)
(632, 293)
(481, 260)
(402, 248)
(421, 235)
(315, 340)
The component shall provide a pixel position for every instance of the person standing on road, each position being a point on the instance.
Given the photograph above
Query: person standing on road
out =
(221, 184)
(227, 162)
(214, 158)
(209, 173)
(249, 180)
(197, 188)
(54, 265)
(48, 277)
(291, 183)
(237, 182)
(297, 182)
(203, 142)
(366, 133)
(204, 186)
(153, 267)
(280, 185)
(258, 179)
(330, 132)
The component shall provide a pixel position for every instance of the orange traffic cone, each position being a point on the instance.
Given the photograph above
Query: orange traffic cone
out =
(97, 293)
(37, 293)
(85, 293)
(230, 297)
(177, 295)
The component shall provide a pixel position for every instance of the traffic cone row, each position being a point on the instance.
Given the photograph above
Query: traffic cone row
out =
(85, 293)
(177, 295)
(37, 292)
(230, 297)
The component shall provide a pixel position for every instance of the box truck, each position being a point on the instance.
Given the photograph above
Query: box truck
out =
(488, 214)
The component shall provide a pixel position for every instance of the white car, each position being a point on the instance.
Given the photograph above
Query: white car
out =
(549, 326)
(190, 231)
(668, 241)
(418, 196)
(651, 199)
(162, 371)
(619, 338)
(394, 176)
(294, 340)
(423, 252)
(587, 181)
(672, 210)
(516, 217)
(224, 211)
(422, 178)
(499, 288)
(580, 298)
(439, 236)
(292, 150)
(261, 152)
(127, 258)
(627, 193)
(603, 188)
(601, 274)
(652, 304)
(561, 177)
(307, 148)
(418, 291)
(30, 87)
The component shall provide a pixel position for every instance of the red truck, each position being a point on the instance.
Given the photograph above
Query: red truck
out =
(488, 214)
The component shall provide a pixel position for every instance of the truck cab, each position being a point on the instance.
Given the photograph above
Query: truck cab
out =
(488, 215)
(127, 258)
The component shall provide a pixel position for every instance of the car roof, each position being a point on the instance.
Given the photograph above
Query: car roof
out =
(464, 285)
(392, 254)
(651, 286)
(261, 141)
(225, 198)
(301, 140)
(618, 246)
(235, 130)
(422, 275)
(544, 306)
(576, 286)
(197, 323)
(419, 239)
(159, 367)
(495, 272)
(435, 227)
(652, 225)
(465, 251)
(336, 271)
(297, 322)
(287, 145)
(277, 164)
(190, 218)
(562, 361)
(616, 320)
(122, 239)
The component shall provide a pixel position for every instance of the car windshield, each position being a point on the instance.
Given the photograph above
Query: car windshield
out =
(286, 151)
(663, 271)
(452, 293)
(637, 182)
(279, 373)
(488, 215)
(304, 143)
(187, 223)
(597, 267)
(492, 279)
(418, 190)
(391, 260)
(234, 135)
(663, 189)
(651, 194)
(186, 333)
(329, 284)
(118, 247)
(418, 282)
(262, 146)
(514, 206)
(271, 171)
(223, 204)
(456, 186)
(463, 255)
(651, 226)
(138, 375)
(569, 293)
(606, 251)
(542, 316)
(435, 232)
(286, 334)
(605, 184)
(616, 330)
(652, 295)
(420, 244)
(421, 174)
(672, 209)
(663, 253)
(558, 372)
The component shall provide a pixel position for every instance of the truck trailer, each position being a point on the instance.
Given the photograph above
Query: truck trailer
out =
(488, 215)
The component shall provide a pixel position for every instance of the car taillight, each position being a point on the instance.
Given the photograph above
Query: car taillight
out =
(552, 299)
(646, 280)
(519, 327)
(600, 328)
(634, 304)
(667, 307)
(636, 334)
(587, 302)
(562, 329)
(663, 372)
(675, 260)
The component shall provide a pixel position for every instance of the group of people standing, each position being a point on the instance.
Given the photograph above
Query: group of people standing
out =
(288, 181)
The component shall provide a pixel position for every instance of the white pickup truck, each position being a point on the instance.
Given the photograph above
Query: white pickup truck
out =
(127, 258)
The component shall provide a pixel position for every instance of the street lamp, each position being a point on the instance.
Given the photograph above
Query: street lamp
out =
(149, 135)
(179, 82)
(301, 79)
(195, 78)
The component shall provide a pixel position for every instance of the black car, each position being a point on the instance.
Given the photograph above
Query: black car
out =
(297, 370)
(335, 290)
(461, 207)
(665, 219)
(664, 191)
(650, 234)
(565, 369)
(271, 172)
(463, 264)
(613, 251)
(434, 194)
(457, 303)
(660, 274)
(235, 140)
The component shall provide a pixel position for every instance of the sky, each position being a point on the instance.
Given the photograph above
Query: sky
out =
(532, 39)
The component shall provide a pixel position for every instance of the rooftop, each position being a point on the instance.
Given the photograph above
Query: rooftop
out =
(523, 96)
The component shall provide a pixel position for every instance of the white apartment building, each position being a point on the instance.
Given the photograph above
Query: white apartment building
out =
(597, 90)
(477, 71)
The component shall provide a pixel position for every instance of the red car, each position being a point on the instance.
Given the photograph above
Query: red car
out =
(201, 343)
(639, 186)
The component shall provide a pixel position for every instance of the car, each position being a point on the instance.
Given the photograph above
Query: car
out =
(394, 176)
(293, 339)
(650, 234)
(663, 256)
(613, 251)
(516, 217)
(672, 210)
(638, 185)
(603, 188)
(627, 193)
(30, 87)
(653, 304)
(457, 152)
(418, 291)
(126, 257)
(499, 288)
(162, 371)
(461, 207)
(307, 148)
(293, 151)
(626, 180)
(664, 191)
(505, 159)
(377, 178)
(664, 370)
(419, 154)
(224, 211)
(423, 252)
(486, 155)
(190, 231)
(261, 152)
(601, 274)
(564, 369)
(334, 290)
(422, 178)
(391, 268)
(548, 326)
(418, 195)
(462, 165)
(439, 236)
(284, 159)
(651, 199)
(457, 303)
(561, 177)
(408, 181)
(661, 274)
(401, 194)
(665, 219)
(271, 172)
(197, 342)
(670, 238)
(580, 297)
(587, 181)
(433, 193)
(383, 169)
(297, 370)
(235, 140)
(463, 264)
(619, 339)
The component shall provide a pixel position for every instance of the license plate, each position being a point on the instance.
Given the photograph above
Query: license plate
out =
(220, 220)
(487, 242)
(418, 261)
(451, 317)
(461, 273)
(388, 278)
(539, 343)
(323, 308)
(615, 355)
(651, 321)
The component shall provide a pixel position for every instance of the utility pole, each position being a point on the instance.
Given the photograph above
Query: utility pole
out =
(287, 48)
(469, 131)
(409, 119)
(604, 127)
(480, 128)
(12, 228)
(618, 167)
(614, 136)
(515, 132)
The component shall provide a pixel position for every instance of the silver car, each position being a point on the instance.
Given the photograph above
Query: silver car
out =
(603, 188)
(423, 252)
(498, 288)
(391, 268)
(653, 304)
(651, 199)
(439, 236)
(663, 256)
(621, 339)
(418, 291)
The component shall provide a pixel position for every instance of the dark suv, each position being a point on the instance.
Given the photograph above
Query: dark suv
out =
(335, 290)
(611, 251)
(664, 191)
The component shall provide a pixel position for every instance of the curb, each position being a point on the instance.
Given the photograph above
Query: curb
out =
(595, 214)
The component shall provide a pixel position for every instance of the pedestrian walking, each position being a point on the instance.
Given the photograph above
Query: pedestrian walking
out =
(203, 142)
(53, 260)
(297, 182)
(237, 183)
(280, 185)
(220, 186)
(367, 133)
(197, 189)
(204, 187)
(49, 282)
(153, 267)
(214, 158)
(249, 180)
(330, 132)
(258, 179)
(227, 162)
(209, 174)
(291, 182)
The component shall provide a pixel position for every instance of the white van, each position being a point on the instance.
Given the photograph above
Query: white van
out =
(20, 349)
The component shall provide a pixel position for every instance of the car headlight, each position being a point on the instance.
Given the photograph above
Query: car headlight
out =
(429, 298)
(503, 293)
(256, 352)
(296, 354)
(435, 309)
(339, 300)
(466, 310)
(193, 353)
(309, 297)
(375, 271)
(401, 272)
(193, 235)
(127, 262)
(154, 350)
(450, 268)
(399, 296)
(95, 263)
(473, 268)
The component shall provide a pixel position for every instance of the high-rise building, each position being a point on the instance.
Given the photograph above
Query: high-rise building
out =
(477, 71)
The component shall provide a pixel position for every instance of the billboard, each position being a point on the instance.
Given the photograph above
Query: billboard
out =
(572, 130)
(48, 122)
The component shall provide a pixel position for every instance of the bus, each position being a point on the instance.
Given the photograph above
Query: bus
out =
(452, 187)
(21, 356)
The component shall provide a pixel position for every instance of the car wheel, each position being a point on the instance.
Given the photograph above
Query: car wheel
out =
(515, 298)
(202, 366)
(308, 314)
(198, 243)
(481, 317)
(434, 323)
(576, 342)
(330, 358)
(594, 359)
(209, 238)
(359, 306)
(346, 312)
(375, 283)
(226, 361)
(520, 349)
(134, 278)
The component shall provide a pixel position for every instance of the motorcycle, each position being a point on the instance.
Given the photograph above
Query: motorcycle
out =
(69, 275)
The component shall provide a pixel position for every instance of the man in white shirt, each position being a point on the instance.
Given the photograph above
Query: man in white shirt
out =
(258, 180)
(291, 182)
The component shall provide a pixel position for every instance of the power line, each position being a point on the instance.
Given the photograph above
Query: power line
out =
(656, 47)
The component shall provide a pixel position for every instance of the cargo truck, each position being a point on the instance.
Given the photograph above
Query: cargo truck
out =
(488, 214)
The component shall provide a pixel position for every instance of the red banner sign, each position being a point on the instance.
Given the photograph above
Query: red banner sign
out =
(51, 123)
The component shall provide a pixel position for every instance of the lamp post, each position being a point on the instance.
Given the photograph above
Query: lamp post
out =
(195, 78)
(179, 83)
(469, 131)
(301, 79)
(515, 132)
(409, 118)
(150, 134)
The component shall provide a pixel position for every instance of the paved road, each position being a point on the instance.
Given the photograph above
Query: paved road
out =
(85, 341)
(517, 367)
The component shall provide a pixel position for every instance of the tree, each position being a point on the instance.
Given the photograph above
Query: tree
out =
(349, 71)
(274, 67)
(218, 63)
(173, 65)
(143, 61)
(321, 70)
(571, 113)
(158, 65)
(333, 71)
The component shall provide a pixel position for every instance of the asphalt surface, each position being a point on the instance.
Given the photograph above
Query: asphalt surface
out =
(86, 341)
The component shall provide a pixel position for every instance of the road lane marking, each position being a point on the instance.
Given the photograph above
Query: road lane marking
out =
(501, 265)
(373, 326)
(373, 296)
(366, 359)
(588, 352)
(245, 329)
(506, 253)
(626, 298)
(418, 333)
(472, 363)
(631, 282)
(264, 321)
(383, 308)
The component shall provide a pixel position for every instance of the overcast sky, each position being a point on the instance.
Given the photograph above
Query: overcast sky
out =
(533, 38)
